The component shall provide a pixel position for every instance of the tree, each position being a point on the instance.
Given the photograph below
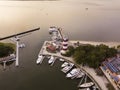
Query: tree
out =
(70, 51)
(110, 87)
(93, 55)
(5, 49)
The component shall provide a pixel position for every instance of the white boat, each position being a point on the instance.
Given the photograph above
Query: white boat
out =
(67, 68)
(64, 64)
(40, 59)
(81, 74)
(53, 29)
(74, 72)
(22, 45)
(51, 60)
(86, 85)
(87, 88)
(62, 60)
(94, 87)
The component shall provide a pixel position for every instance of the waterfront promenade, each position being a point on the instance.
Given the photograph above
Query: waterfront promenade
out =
(100, 81)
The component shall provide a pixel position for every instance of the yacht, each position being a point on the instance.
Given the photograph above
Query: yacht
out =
(62, 60)
(86, 85)
(64, 64)
(22, 45)
(85, 89)
(53, 29)
(40, 59)
(51, 60)
(67, 68)
(73, 73)
(81, 74)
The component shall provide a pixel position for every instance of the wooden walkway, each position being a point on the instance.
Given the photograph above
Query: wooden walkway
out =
(7, 59)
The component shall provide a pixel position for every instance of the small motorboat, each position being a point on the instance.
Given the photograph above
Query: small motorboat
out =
(64, 64)
(22, 45)
(62, 60)
(86, 85)
(40, 59)
(67, 68)
(73, 73)
(51, 60)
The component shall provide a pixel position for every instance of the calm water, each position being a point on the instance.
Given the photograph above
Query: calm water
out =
(92, 20)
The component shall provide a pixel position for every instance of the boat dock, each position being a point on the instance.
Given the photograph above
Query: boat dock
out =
(4, 60)
(43, 51)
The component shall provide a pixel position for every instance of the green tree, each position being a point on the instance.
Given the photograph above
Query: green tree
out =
(5, 49)
(93, 55)
(70, 51)
(110, 87)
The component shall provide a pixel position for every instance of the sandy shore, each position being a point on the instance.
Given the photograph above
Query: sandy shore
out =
(110, 44)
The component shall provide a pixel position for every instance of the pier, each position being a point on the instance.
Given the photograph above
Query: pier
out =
(4, 60)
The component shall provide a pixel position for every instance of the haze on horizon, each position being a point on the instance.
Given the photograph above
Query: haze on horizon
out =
(99, 22)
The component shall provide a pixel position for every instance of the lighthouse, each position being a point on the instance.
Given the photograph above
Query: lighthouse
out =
(64, 45)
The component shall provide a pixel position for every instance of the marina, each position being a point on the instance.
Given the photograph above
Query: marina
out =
(68, 64)
(96, 22)
(74, 73)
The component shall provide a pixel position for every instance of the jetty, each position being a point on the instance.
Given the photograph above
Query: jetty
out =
(6, 59)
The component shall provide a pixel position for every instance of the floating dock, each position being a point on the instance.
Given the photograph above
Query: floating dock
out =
(4, 60)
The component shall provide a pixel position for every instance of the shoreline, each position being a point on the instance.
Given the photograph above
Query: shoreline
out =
(108, 43)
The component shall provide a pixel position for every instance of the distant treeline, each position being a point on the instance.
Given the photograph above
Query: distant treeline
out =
(6, 49)
(91, 55)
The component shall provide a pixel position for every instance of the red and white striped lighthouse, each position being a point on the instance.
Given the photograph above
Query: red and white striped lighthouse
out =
(64, 45)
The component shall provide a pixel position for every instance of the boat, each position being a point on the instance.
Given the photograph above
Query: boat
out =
(51, 60)
(22, 45)
(85, 89)
(53, 29)
(94, 87)
(40, 59)
(81, 74)
(62, 60)
(64, 64)
(86, 85)
(73, 73)
(67, 68)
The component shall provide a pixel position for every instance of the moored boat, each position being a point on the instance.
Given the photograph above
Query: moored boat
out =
(86, 85)
(62, 60)
(64, 64)
(40, 59)
(73, 73)
(81, 74)
(67, 68)
(51, 60)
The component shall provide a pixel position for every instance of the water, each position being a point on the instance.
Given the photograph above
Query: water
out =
(100, 22)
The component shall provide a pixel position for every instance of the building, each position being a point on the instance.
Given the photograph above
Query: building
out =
(112, 67)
